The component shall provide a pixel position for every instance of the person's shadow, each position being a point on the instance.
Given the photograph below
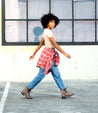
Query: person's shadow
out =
(37, 32)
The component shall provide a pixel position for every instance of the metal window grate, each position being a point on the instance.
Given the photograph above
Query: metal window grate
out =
(27, 20)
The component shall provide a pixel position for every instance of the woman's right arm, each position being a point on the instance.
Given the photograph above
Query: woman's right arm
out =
(38, 47)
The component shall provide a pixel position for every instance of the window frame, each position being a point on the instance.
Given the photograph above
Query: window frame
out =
(36, 43)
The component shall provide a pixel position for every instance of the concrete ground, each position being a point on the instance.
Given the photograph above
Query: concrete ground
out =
(47, 98)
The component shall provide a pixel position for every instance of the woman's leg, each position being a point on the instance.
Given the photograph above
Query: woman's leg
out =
(37, 79)
(33, 83)
(57, 77)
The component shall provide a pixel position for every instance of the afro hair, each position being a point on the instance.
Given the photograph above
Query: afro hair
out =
(47, 17)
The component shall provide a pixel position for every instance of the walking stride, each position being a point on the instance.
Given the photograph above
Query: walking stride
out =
(49, 58)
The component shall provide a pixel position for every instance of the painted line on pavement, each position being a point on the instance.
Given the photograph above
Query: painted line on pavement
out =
(4, 97)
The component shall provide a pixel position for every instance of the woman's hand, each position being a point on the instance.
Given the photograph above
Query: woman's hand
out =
(31, 57)
(67, 55)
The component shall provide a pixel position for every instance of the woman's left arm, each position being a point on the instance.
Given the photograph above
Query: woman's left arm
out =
(58, 47)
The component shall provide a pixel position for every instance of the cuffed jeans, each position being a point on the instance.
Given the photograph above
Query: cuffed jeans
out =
(55, 73)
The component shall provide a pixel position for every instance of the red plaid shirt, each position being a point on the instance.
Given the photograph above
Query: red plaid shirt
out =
(47, 56)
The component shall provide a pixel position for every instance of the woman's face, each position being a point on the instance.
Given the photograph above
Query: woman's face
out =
(51, 24)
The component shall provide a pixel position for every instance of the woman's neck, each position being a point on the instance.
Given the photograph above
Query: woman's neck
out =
(48, 28)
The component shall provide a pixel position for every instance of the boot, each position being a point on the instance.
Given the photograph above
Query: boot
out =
(69, 94)
(65, 94)
(26, 92)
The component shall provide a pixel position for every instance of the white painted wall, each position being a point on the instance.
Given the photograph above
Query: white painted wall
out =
(15, 66)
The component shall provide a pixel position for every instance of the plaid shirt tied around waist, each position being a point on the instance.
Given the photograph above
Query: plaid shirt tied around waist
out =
(46, 58)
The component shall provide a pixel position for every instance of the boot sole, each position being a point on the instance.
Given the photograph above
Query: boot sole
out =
(22, 93)
(71, 95)
(64, 97)
(25, 95)
(67, 96)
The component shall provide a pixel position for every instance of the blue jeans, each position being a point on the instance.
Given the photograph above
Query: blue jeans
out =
(55, 73)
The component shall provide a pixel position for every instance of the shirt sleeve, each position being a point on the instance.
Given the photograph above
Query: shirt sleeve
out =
(49, 34)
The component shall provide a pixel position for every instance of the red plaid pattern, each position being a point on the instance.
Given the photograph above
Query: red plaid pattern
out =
(46, 58)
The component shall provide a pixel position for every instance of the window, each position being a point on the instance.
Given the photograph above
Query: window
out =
(78, 21)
